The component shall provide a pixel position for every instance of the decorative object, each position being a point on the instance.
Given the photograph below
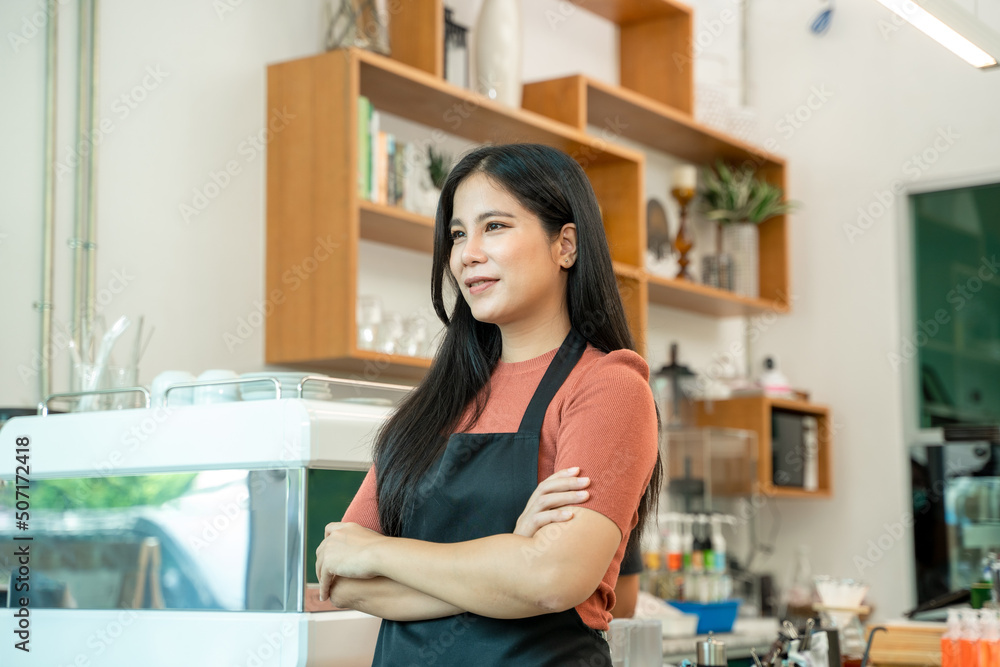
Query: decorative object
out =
(498, 51)
(433, 168)
(657, 229)
(660, 256)
(360, 23)
(717, 270)
(685, 179)
(738, 201)
(438, 167)
(456, 51)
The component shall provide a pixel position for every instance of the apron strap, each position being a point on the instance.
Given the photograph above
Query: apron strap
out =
(559, 369)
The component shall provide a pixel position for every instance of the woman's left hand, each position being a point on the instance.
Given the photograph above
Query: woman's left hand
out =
(344, 552)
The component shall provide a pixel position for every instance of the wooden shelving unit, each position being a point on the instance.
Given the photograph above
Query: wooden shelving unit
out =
(579, 100)
(753, 413)
(707, 300)
(312, 194)
(312, 168)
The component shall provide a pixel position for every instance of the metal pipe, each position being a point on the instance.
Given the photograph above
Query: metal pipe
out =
(90, 249)
(49, 203)
(77, 240)
(82, 242)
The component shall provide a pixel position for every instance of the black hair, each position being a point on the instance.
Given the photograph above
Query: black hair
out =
(550, 184)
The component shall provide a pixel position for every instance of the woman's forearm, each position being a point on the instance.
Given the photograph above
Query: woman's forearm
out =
(388, 599)
(499, 576)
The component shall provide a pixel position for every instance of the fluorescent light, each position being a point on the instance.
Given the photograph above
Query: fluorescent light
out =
(952, 27)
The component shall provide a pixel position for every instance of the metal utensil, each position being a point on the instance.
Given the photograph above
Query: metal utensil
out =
(137, 343)
(790, 629)
(101, 362)
(871, 636)
(756, 660)
(807, 640)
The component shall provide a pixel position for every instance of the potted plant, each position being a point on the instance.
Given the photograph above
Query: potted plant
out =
(737, 202)
(436, 165)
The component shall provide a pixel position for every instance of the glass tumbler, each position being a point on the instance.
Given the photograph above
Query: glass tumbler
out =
(391, 334)
(369, 317)
(619, 641)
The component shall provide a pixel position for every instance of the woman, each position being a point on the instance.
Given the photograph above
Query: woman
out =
(453, 539)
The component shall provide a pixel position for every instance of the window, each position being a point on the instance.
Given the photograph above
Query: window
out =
(957, 330)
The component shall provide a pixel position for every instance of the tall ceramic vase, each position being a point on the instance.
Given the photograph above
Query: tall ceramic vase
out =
(740, 241)
(498, 51)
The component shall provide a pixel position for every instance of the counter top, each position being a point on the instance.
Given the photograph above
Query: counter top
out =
(747, 633)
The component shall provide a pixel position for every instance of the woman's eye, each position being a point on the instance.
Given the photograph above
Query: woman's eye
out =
(495, 225)
(455, 234)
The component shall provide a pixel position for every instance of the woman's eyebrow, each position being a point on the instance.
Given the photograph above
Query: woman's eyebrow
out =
(483, 216)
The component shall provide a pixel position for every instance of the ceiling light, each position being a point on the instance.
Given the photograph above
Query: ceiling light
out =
(952, 27)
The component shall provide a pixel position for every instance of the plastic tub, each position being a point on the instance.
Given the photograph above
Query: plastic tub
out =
(712, 616)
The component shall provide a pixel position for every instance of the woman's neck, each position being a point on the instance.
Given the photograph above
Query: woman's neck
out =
(529, 340)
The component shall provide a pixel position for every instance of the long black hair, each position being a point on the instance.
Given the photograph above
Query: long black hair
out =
(550, 184)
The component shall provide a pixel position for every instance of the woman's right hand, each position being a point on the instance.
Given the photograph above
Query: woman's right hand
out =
(548, 503)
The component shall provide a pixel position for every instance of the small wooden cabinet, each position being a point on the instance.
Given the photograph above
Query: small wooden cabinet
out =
(754, 414)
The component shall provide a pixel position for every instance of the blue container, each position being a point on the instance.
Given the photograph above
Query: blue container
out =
(712, 616)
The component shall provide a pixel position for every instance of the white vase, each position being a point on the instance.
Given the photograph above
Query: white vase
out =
(498, 51)
(740, 240)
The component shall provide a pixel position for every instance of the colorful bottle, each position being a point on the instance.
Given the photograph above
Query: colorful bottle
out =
(707, 544)
(697, 544)
(720, 563)
(968, 644)
(687, 541)
(950, 639)
(989, 642)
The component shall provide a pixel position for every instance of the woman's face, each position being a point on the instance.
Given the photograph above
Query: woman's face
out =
(508, 270)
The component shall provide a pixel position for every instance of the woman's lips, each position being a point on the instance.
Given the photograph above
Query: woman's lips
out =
(478, 288)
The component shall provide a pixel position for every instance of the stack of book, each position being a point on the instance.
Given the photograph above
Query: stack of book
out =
(387, 167)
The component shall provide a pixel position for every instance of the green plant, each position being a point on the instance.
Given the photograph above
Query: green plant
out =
(438, 165)
(735, 195)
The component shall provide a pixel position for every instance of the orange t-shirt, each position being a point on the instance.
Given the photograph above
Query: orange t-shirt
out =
(602, 419)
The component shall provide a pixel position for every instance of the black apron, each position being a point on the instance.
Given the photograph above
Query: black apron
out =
(479, 487)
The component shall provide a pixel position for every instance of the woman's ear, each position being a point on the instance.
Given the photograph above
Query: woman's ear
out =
(567, 245)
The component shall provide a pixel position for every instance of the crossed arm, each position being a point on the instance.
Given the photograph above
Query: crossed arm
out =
(546, 565)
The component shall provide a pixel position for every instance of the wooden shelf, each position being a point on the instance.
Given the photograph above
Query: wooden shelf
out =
(624, 12)
(396, 226)
(754, 414)
(399, 89)
(791, 492)
(707, 300)
(369, 365)
(645, 120)
(626, 271)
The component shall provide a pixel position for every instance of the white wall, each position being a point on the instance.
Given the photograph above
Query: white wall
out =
(888, 97)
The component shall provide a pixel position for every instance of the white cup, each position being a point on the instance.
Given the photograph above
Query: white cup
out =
(218, 393)
(178, 396)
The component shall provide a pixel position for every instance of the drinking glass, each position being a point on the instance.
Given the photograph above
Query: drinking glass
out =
(390, 334)
(369, 317)
(619, 640)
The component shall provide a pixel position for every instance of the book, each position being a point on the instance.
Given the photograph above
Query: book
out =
(374, 124)
(364, 148)
(381, 172)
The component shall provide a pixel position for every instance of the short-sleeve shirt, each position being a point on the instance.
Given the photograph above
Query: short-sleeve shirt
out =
(602, 419)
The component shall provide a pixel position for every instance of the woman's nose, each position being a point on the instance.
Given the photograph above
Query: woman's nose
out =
(472, 249)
